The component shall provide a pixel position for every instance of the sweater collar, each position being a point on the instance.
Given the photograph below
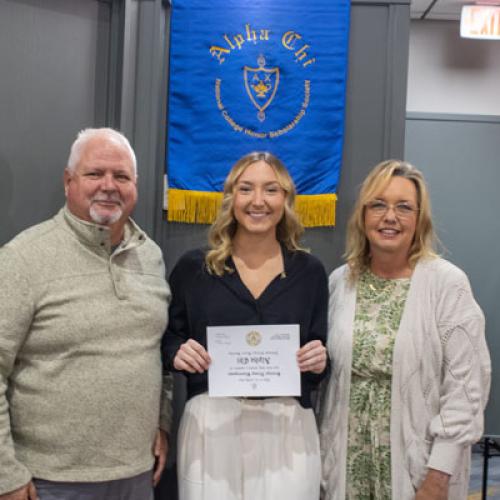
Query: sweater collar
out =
(97, 236)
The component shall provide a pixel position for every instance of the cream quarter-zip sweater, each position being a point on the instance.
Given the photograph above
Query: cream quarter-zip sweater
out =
(80, 366)
(440, 381)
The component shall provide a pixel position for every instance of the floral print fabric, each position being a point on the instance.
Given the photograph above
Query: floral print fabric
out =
(379, 306)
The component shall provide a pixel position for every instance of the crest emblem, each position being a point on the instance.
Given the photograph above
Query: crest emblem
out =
(253, 338)
(261, 85)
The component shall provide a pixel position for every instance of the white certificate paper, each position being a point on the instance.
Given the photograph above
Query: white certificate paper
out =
(255, 360)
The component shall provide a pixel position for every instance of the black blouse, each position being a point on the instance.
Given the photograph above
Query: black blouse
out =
(199, 299)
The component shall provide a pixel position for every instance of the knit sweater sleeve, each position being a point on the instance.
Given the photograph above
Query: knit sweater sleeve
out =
(466, 373)
(16, 312)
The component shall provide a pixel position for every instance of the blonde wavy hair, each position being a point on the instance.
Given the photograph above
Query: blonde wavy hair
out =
(221, 234)
(357, 252)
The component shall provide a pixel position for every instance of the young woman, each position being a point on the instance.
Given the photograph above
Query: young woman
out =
(254, 273)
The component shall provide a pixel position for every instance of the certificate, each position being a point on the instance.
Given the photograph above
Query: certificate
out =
(254, 360)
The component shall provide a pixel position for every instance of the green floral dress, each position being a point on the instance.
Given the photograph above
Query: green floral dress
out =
(379, 306)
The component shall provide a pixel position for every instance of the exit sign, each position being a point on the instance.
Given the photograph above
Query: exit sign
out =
(480, 21)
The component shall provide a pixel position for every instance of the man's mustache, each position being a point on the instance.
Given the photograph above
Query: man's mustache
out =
(113, 197)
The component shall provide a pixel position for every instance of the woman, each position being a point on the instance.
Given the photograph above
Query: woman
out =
(254, 273)
(411, 369)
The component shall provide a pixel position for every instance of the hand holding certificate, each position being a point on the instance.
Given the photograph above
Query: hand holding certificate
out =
(255, 360)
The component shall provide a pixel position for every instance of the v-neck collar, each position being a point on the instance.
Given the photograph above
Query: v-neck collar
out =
(233, 280)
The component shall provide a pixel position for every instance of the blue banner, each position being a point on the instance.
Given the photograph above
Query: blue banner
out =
(262, 75)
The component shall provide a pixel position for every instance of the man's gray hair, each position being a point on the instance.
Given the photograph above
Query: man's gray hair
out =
(85, 135)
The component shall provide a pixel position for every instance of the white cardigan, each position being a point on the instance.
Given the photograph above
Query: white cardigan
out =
(440, 381)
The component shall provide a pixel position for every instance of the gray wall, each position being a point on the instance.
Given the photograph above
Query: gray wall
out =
(38, 117)
(66, 65)
(75, 63)
(459, 155)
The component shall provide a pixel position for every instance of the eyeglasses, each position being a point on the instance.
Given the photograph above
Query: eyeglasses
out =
(402, 210)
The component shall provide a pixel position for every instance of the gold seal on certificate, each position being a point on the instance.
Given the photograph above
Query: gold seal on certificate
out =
(253, 360)
(253, 338)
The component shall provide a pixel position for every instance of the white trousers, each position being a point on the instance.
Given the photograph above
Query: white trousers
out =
(237, 449)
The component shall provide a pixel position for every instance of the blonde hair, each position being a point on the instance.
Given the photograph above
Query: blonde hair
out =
(357, 252)
(222, 231)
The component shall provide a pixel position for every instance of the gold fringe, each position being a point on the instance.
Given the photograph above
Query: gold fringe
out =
(201, 207)
(316, 210)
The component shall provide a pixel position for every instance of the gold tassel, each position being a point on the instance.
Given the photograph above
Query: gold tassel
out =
(201, 207)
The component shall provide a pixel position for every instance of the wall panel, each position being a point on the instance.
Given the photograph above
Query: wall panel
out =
(48, 90)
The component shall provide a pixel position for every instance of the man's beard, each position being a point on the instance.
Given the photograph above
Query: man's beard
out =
(106, 219)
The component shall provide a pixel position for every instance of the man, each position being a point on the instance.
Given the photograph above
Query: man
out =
(83, 306)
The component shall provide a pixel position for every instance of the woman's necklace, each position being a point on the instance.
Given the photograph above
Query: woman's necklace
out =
(379, 284)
